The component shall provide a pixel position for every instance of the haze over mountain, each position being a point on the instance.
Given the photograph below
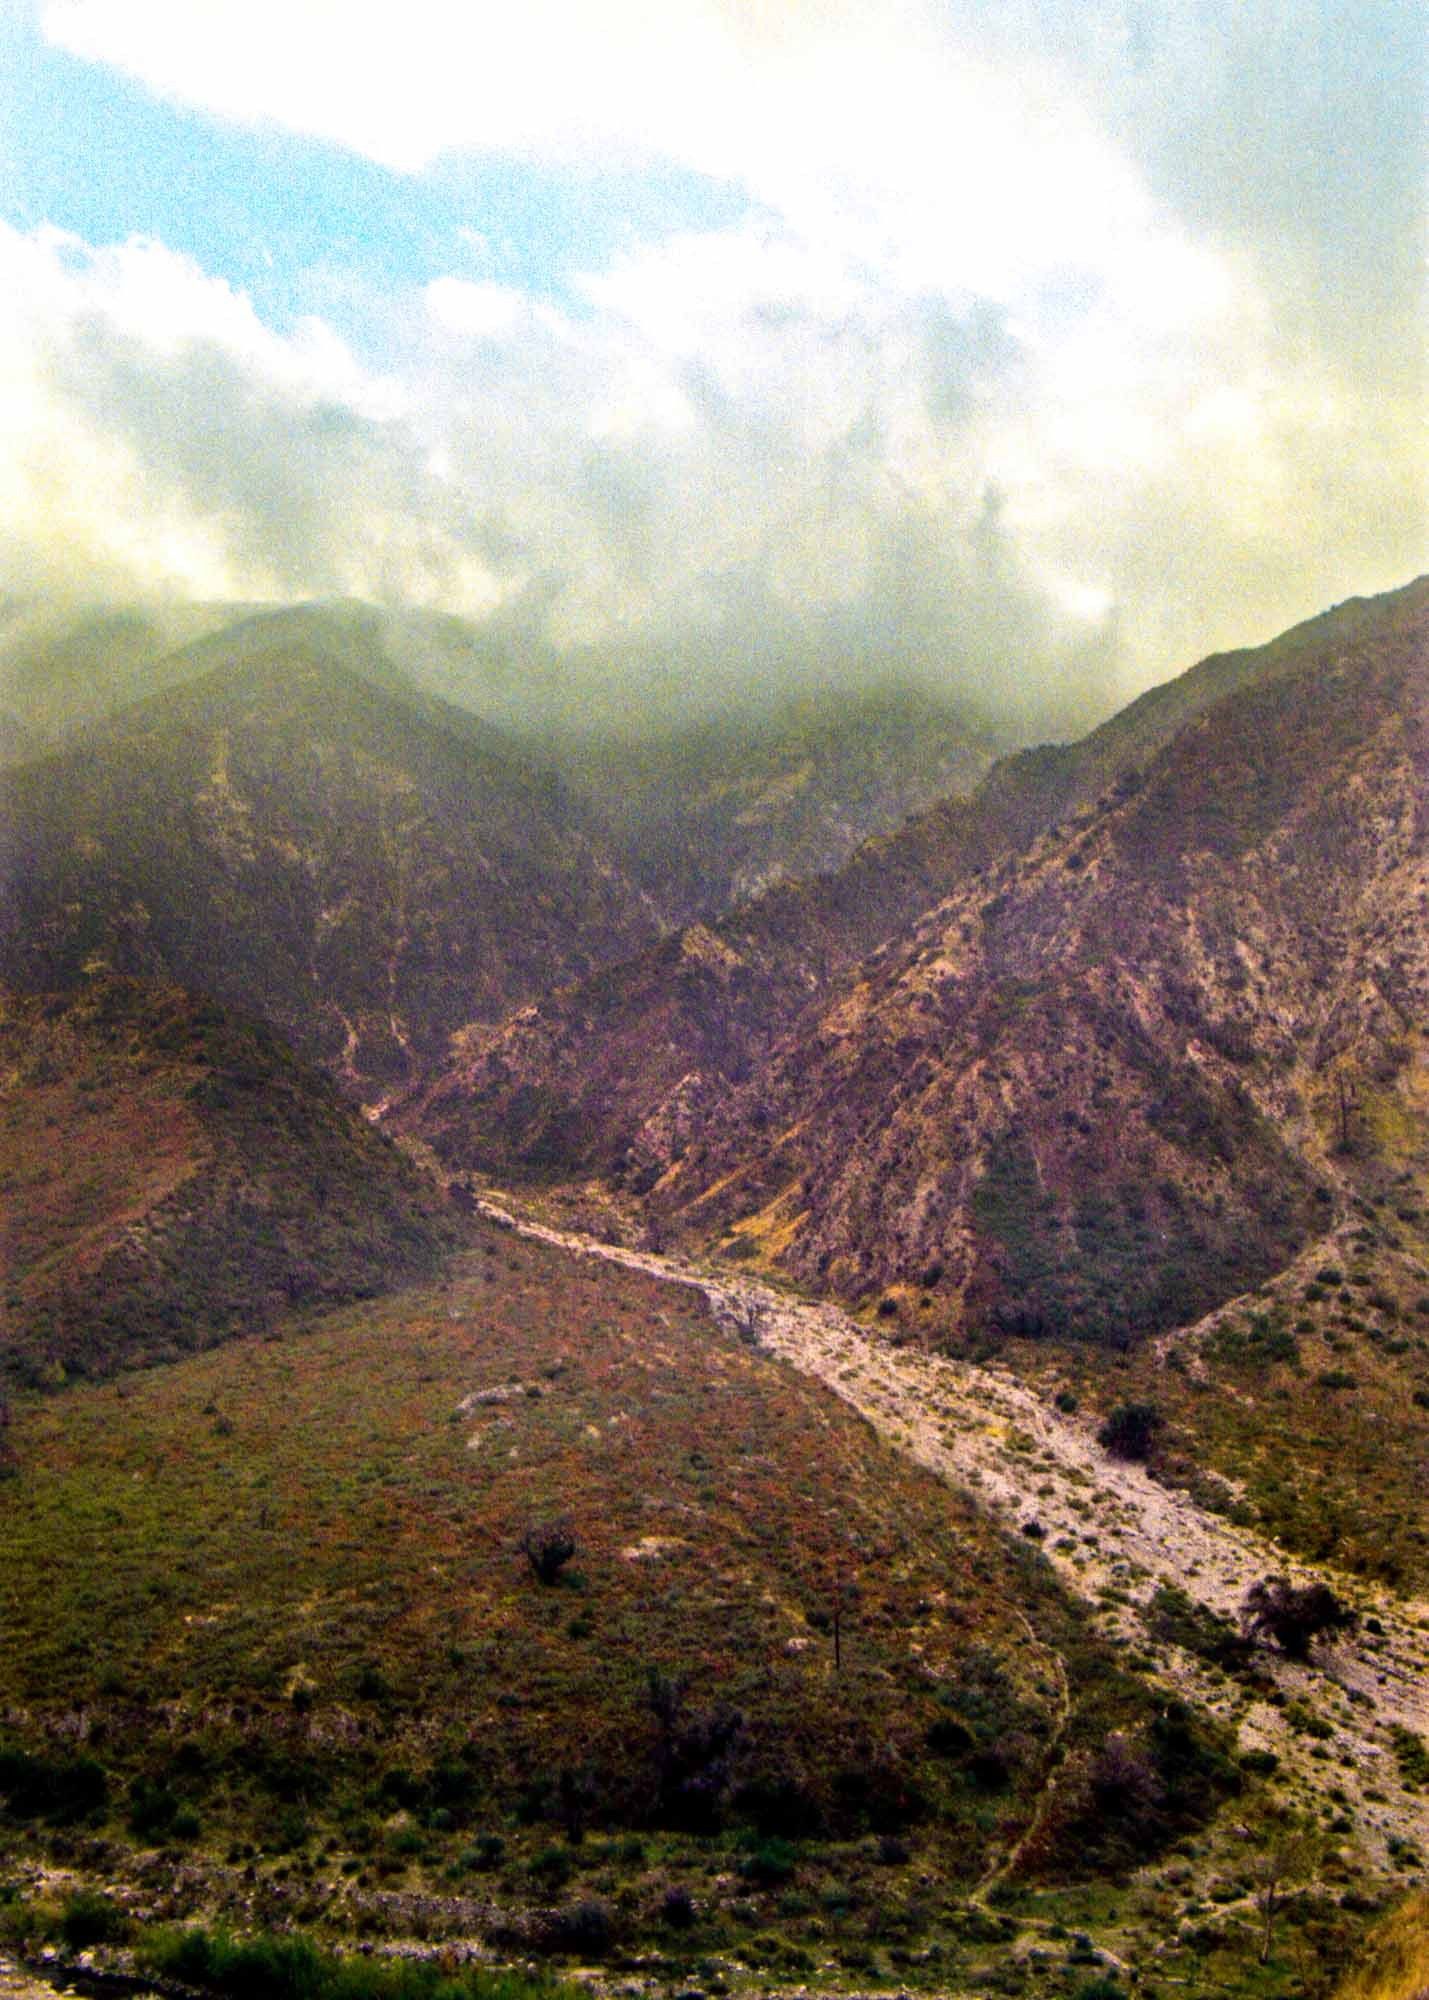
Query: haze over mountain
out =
(357, 867)
(705, 807)
(632, 1073)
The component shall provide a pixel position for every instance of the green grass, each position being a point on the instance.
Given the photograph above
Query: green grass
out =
(293, 1968)
(281, 1583)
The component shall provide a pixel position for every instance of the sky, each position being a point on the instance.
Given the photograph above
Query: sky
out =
(1033, 348)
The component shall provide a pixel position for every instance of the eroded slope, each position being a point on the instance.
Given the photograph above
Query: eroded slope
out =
(1095, 1089)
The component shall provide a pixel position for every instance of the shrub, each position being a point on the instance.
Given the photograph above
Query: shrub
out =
(554, 1866)
(1412, 1755)
(1293, 1618)
(947, 1737)
(677, 1909)
(1124, 1781)
(769, 1863)
(1178, 1619)
(693, 1754)
(548, 1546)
(152, 1808)
(60, 1790)
(89, 1918)
(1130, 1431)
(291, 1968)
(586, 1929)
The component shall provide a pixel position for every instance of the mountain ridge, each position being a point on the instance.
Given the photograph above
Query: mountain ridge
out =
(1176, 944)
(296, 839)
(624, 1063)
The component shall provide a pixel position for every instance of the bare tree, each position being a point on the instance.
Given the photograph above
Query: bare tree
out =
(1345, 1103)
(843, 1595)
(1288, 1853)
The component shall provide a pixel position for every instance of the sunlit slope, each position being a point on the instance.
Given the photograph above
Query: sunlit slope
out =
(1396, 1960)
(1095, 1090)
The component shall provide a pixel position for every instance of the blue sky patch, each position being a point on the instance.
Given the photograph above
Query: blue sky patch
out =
(89, 151)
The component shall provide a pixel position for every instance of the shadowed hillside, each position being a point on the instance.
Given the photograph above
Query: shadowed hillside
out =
(172, 1176)
(362, 870)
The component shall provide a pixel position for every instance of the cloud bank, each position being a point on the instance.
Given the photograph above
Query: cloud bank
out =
(1030, 367)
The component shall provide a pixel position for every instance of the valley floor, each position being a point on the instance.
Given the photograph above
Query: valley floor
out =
(1116, 1537)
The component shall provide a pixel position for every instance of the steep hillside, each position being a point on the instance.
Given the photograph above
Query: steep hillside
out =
(1096, 1089)
(1034, 789)
(363, 870)
(171, 1176)
(572, 1082)
(718, 811)
(617, 1074)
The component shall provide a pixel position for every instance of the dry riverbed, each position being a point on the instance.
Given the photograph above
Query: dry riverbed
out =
(1114, 1536)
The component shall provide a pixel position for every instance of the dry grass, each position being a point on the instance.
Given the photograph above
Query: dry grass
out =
(1395, 1962)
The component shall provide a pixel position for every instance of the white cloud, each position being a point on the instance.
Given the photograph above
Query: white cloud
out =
(963, 392)
(871, 128)
(458, 306)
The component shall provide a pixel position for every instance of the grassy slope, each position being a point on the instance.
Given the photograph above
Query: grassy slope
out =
(172, 1175)
(279, 1585)
(1395, 1963)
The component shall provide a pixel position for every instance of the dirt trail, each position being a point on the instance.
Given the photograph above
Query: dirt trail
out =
(1114, 1536)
